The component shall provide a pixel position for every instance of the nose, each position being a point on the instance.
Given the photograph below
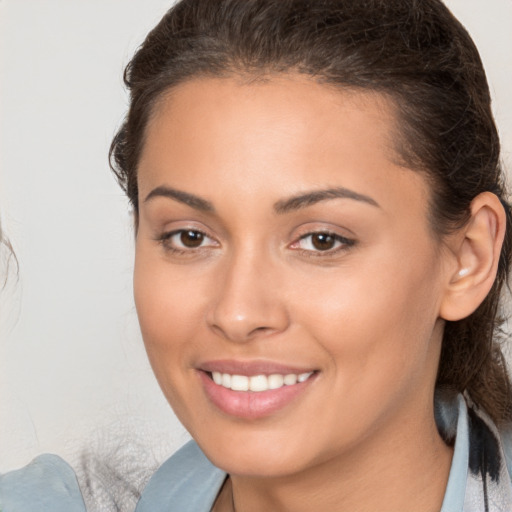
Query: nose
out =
(248, 303)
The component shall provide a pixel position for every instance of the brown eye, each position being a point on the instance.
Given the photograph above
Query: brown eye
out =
(191, 239)
(187, 242)
(323, 241)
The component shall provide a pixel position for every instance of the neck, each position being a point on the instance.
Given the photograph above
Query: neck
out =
(403, 468)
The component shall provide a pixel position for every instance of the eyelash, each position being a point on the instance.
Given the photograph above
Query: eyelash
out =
(166, 240)
(343, 243)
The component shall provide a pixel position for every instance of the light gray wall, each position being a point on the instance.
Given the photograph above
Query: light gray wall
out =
(72, 365)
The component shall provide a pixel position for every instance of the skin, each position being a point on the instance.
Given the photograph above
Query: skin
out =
(366, 314)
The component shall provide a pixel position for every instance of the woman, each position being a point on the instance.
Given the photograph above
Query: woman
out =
(321, 241)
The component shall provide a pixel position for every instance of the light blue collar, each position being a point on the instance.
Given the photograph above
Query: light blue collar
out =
(456, 487)
(188, 482)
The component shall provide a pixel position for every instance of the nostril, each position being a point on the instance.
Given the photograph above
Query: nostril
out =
(263, 330)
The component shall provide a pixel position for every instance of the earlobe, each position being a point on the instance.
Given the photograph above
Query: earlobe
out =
(477, 253)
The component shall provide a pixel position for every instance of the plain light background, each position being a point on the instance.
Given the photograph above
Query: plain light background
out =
(72, 366)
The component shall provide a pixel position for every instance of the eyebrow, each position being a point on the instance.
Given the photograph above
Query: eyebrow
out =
(283, 206)
(183, 197)
(315, 196)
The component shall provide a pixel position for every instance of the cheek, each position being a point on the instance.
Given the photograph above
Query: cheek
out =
(168, 308)
(168, 312)
(377, 333)
(377, 319)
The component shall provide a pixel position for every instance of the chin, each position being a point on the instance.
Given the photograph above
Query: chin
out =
(255, 465)
(258, 453)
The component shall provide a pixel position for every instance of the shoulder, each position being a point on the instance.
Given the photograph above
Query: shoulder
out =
(187, 481)
(47, 484)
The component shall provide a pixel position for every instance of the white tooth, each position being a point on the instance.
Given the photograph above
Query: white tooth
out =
(304, 376)
(217, 378)
(226, 380)
(258, 383)
(275, 381)
(239, 383)
(290, 379)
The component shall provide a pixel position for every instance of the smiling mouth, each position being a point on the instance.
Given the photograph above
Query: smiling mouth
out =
(257, 389)
(254, 396)
(258, 383)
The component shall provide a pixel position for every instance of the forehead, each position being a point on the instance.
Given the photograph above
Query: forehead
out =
(286, 104)
(288, 130)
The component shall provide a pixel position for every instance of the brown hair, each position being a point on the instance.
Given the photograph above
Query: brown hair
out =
(413, 51)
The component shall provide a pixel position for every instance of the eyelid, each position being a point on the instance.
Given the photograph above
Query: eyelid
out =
(336, 236)
(343, 243)
(170, 227)
(165, 240)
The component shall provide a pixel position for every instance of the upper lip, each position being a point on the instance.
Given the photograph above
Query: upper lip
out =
(250, 368)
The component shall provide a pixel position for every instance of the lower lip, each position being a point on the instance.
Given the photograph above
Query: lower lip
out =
(250, 404)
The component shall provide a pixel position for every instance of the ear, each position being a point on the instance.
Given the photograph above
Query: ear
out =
(477, 250)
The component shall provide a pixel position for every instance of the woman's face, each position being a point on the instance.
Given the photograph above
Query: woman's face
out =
(281, 251)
